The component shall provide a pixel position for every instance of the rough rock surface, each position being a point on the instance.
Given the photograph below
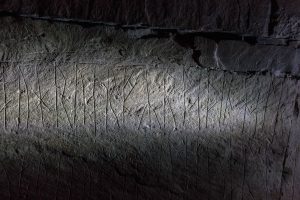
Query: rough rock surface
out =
(274, 18)
(103, 113)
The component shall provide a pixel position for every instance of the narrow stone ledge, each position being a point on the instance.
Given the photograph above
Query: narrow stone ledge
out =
(262, 18)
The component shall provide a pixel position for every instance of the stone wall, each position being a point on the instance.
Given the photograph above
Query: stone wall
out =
(271, 18)
(111, 113)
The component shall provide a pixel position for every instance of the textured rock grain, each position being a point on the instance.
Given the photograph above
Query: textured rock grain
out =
(276, 18)
(98, 113)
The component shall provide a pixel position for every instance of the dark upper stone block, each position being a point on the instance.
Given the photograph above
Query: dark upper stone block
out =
(275, 18)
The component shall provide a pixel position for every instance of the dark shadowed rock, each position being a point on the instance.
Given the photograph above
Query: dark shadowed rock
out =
(275, 18)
